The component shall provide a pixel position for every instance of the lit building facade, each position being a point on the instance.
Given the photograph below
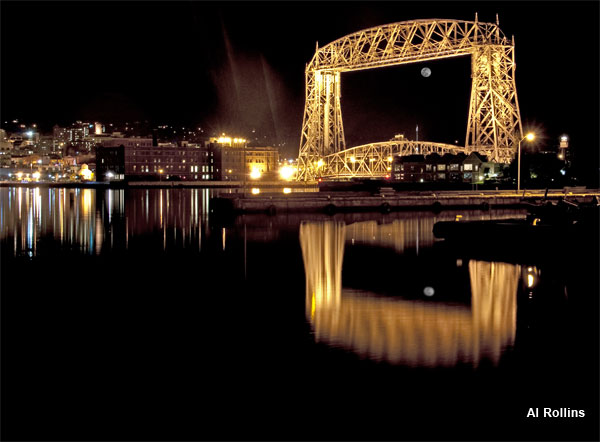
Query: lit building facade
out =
(237, 161)
(262, 159)
(138, 158)
(459, 168)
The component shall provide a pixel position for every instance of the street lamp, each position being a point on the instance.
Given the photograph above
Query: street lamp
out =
(529, 137)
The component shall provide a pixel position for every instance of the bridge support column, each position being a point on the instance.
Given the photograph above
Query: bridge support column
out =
(322, 128)
(494, 125)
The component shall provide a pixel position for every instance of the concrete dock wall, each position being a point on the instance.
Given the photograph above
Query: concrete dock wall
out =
(356, 201)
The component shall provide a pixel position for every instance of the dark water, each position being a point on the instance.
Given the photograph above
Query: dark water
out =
(139, 315)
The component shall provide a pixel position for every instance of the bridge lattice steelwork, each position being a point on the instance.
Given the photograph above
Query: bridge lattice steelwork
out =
(494, 123)
(375, 159)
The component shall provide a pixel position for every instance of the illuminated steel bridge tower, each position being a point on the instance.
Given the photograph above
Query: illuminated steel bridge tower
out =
(494, 123)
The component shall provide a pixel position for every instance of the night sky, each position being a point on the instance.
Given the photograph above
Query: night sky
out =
(237, 66)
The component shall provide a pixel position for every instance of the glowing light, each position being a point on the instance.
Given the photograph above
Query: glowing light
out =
(29, 133)
(36, 175)
(110, 174)
(286, 172)
(255, 173)
(255, 191)
(530, 136)
(320, 163)
(530, 280)
(19, 175)
(352, 159)
(287, 190)
(564, 138)
(390, 159)
(85, 172)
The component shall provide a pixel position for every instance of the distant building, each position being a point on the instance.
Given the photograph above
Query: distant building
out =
(564, 153)
(5, 147)
(67, 139)
(60, 138)
(45, 144)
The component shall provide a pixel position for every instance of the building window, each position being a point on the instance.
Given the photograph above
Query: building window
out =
(441, 167)
(468, 167)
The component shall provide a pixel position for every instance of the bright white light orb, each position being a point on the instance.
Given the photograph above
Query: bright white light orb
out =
(286, 172)
(255, 173)
(425, 72)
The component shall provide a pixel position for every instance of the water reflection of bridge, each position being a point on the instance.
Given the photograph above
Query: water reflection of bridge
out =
(396, 229)
(409, 332)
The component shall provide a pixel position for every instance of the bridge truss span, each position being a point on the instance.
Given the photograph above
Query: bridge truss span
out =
(494, 121)
(375, 159)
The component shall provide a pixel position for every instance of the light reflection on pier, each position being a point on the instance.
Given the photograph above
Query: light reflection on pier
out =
(426, 333)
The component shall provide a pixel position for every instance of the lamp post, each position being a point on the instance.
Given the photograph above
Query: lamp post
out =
(529, 137)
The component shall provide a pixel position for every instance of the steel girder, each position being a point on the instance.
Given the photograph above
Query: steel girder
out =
(375, 159)
(494, 125)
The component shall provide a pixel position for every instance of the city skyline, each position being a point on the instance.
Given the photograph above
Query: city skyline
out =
(234, 67)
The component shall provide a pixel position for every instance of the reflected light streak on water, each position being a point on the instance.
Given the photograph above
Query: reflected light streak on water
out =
(96, 221)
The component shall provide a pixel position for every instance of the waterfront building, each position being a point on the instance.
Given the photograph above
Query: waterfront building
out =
(138, 159)
(410, 169)
(238, 161)
(229, 154)
(264, 160)
(459, 168)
